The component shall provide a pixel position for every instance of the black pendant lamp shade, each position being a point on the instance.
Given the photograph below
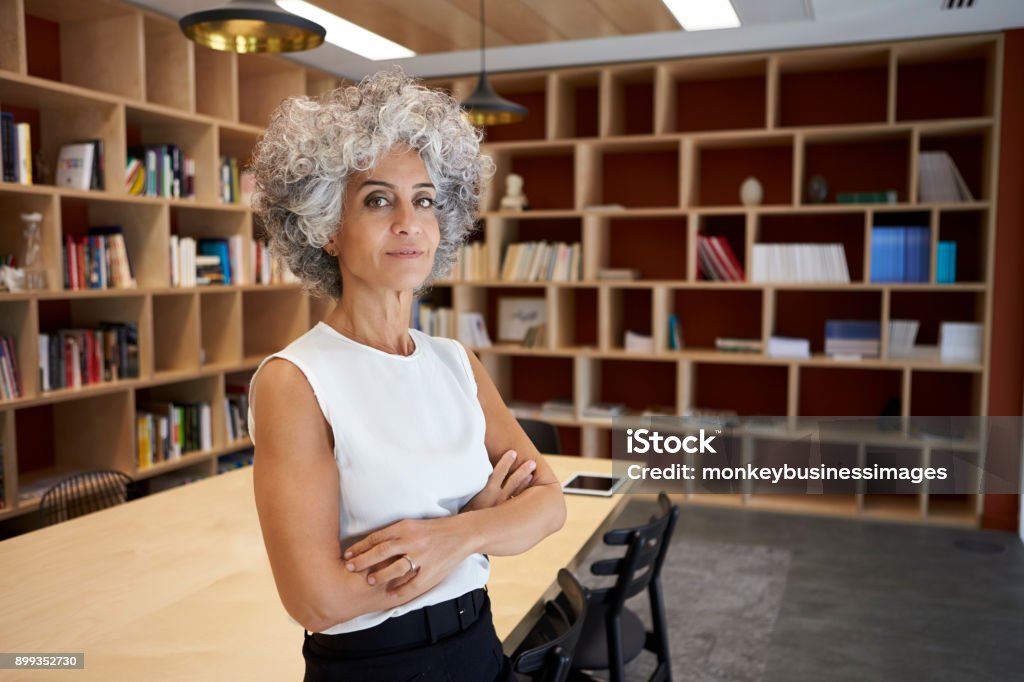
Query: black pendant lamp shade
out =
(246, 26)
(485, 107)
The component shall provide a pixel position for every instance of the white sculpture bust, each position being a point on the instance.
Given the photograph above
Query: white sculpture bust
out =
(514, 199)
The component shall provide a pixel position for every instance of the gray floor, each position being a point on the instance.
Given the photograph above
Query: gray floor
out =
(786, 598)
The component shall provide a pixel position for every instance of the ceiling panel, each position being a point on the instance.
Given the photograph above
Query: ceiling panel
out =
(432, 26)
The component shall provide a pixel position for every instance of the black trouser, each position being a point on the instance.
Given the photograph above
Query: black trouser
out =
(470, 655)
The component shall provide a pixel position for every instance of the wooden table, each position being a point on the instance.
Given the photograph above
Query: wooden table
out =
(177, 586)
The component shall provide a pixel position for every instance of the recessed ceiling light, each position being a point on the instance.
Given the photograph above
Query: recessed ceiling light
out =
(698, 15)
(347, 35)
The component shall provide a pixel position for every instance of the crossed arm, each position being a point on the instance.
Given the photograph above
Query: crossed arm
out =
(296, 488)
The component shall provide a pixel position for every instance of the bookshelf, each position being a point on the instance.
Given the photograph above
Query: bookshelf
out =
(626, 134)
(62, 71)
(636, 161)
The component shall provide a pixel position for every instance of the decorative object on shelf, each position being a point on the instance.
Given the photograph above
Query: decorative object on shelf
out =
(74, 165)
(247, 26)
(41, 169)
(751, 192)
(32, 264)
(517, 315)
(485, 107)
(514, 199)
(816, 190)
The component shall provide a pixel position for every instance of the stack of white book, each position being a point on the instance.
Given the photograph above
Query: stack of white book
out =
(902, 334)
(558, 408)
(788, 347)
(799, 263)
(960, 342)
(939, 179)
(603, 410)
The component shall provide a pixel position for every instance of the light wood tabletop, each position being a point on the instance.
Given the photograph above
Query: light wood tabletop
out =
(177, 585)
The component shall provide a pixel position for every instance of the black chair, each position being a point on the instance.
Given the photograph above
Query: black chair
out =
(613, 635)
(546, 652)
(84, 493)
(543, 435)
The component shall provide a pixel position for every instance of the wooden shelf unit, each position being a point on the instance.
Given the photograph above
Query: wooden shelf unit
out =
(670, 143)
(61, 71)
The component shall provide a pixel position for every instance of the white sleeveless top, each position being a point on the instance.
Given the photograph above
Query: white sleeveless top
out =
(408, 441)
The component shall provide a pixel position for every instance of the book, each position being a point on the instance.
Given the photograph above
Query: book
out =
(219, 249)
(675, 332)
(24, 165)
(900, 254)
(939, 179)
(473, 330)
(638, 343)
(618, 274)
(8, 147)
(603, 410)
(945, 263)
(799, 263)
(890, 196)
(960, 342)
(788, 347)
(852, 338)
(559, 407)
(75, 165)
(902, 334)
(737, 345)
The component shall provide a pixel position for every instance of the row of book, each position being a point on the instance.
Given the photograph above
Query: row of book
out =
(471, 265)
(97, 261)
(71, 358)
(959, 342)
(236, 183)
(167, 430)
(10, 373)
(196, 262)
(900, 254)
(431, 319)
(236, 412)
(160, 170)
(541, 262)
(268, 270)
(799, 263)
(15, 150)
(716, 260)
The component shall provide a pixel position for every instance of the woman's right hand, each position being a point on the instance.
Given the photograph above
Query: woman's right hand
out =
(501, 485)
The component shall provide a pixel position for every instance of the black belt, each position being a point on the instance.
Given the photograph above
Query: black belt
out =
(421, 627)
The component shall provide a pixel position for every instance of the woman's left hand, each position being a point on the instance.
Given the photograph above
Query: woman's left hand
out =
(436, 546)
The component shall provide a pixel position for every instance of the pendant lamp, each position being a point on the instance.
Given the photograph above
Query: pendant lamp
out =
(246, 26)
(485, 107)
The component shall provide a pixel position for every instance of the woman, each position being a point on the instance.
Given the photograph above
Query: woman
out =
(387, 465)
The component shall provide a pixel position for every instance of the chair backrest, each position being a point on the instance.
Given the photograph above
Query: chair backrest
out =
(84, 493)
(647, 546)
(543, 435)
(560, 629)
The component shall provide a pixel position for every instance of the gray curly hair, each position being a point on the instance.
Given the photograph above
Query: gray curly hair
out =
(313, 146)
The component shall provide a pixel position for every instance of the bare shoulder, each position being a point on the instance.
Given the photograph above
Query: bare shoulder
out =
(285, 408)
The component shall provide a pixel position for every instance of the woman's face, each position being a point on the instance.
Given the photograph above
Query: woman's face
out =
(389, 231)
